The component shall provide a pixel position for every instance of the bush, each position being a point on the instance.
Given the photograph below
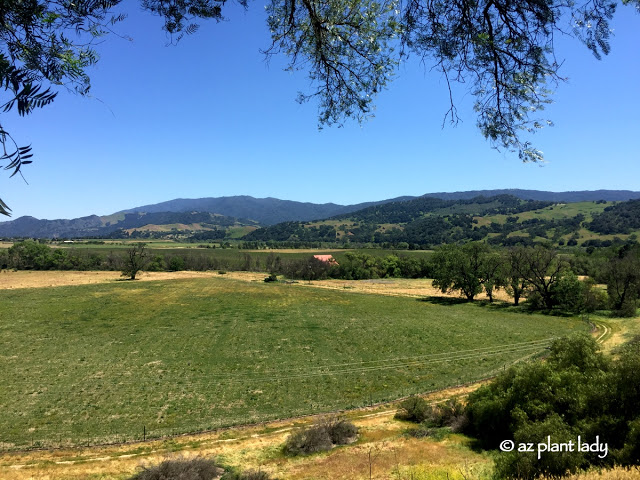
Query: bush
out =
(247, 475)
(321, 437)
(157, 264)
(449, 414)
(340, 430)
(414, 409)
(311, 440)
(180, 469)
(423, 431)
(176, 264)
(577, 391)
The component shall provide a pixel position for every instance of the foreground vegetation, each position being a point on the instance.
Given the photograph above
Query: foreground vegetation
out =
(109, 362)
(577, 410)
(578, 393)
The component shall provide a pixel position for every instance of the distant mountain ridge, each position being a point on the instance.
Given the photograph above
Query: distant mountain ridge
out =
(267, 211)
(258, 211)
(543, 196)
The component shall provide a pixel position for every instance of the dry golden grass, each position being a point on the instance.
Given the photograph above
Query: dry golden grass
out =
(404, 287)
(617, 473)
(55, 278)
(620, 331)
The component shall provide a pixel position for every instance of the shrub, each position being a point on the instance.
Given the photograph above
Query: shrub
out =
(321, 437)
(180, 469)
(423, 431)
(157, 264)
(339, 429)
(414, 409)
(449, 414)
(311, 440)
(176, 264)
(577, 391)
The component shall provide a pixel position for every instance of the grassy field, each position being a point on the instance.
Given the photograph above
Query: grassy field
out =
(107, 362)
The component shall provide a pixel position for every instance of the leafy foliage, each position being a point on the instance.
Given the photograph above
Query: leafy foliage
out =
(577, 391)
(51, 43)
(347, 46)
(541, 268)
(135, 260)
(467, 268)
(503, 50)
(620, 218)
(621, 273)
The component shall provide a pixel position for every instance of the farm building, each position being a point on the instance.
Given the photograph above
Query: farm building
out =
(327, 259)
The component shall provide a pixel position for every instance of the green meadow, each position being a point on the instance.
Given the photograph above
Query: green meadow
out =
(116, 361)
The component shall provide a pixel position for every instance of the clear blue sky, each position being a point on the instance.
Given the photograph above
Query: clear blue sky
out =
(209, 118)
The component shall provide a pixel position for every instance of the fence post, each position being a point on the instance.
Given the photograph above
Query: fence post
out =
(144, 433)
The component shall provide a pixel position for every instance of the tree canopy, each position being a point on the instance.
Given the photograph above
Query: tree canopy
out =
(502, 50)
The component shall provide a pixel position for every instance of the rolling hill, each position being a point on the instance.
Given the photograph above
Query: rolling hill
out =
(243, 214)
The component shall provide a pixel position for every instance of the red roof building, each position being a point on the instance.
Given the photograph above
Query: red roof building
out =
(326, 258)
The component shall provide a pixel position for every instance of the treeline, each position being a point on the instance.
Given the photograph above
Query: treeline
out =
(32, 255)
(293, 232)
(547, 280)
(352, 266)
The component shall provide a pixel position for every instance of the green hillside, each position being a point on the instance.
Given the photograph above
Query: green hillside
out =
(501, 220)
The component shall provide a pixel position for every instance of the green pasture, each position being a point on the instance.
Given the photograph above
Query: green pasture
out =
(107, 362)
(554, 212)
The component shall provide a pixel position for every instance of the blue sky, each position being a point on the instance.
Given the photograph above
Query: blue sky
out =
(210, 118)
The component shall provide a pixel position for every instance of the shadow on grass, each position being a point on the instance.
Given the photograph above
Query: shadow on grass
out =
(495, 305)
(443, 300)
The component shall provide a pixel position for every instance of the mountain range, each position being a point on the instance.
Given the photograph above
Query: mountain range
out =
(246, 213)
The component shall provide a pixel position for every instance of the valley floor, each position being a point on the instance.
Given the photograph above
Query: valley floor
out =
(382, 451)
